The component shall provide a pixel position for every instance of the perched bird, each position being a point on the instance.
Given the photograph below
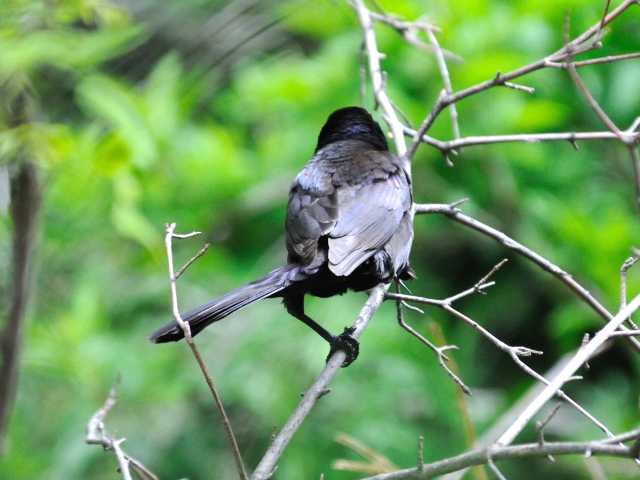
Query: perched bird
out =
(349, 226)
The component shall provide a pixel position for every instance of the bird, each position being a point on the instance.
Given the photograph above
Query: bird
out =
(349, 226)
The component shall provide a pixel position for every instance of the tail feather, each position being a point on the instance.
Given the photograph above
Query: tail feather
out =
(201, 317)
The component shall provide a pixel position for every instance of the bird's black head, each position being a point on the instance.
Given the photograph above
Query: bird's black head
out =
(355, 123)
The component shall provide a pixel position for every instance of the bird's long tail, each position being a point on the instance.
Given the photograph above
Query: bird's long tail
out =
(205, 315)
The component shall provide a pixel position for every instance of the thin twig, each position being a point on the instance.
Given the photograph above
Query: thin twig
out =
(26, 200)
(188, 264)
(420, 452)
(540, 426)
(439, 351)
(408, 32)
(454, 213)
(595, 61)
(97, 435)
(446, 306)
(189, 339)
(576, 362)
(597, 109)
(577, 46)
(375, 73)
(446, 79)
(572, 137)
(493, 467)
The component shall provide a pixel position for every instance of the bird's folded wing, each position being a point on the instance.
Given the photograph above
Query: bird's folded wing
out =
(357, 217)
(369, 216)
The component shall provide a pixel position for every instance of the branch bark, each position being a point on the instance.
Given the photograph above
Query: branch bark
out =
(497, 453)
(268, 463)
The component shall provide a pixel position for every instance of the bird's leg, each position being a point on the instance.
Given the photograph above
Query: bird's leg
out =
(345, 342)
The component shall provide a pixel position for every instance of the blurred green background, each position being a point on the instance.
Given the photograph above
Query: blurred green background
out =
(201, 113)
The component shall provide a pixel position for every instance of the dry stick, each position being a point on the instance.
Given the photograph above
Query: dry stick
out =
(576, 362)
(189, 339)
(493, 467)
(463, 406)
(514, 352)
(635, 162)
(277, 447)
(497, 453)
(540, 426)
(604, 118)
(96, 435)
(454, 214)
(446, 306)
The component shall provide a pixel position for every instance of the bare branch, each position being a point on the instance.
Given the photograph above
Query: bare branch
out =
(604, 118)
(499, 453)
(573, 48)
(276, 449)
(189, 339)
(409, 30)
(630, 262)
(451, 145)
(493, 467)
(541, 425)
(26, 199)
(454, 213)
(420, 452)
(576, 362)
(97, 435)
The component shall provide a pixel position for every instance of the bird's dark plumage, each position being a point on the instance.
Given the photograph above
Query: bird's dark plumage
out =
(349, 226)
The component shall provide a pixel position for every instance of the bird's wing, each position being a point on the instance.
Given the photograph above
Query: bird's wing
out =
(357, 206)
(312, 212)
(369, 216)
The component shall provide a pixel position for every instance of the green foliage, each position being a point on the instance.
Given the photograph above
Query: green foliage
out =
(122, 157)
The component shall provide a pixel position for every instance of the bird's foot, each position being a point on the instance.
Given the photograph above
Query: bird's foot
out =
(347, 344)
